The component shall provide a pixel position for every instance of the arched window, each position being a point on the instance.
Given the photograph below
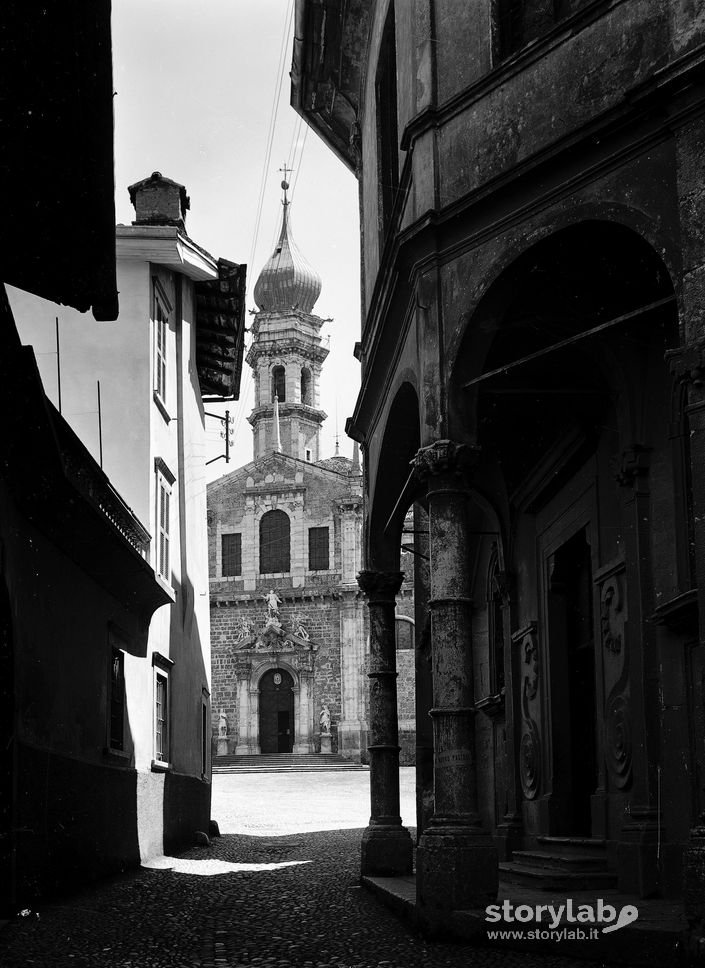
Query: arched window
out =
(279, 383)
(306, 386)
(274, 543)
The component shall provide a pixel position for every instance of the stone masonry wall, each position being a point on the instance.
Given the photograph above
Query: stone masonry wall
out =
(320, 616)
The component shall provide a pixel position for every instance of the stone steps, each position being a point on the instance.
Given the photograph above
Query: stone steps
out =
(284, 762)
(561, 864)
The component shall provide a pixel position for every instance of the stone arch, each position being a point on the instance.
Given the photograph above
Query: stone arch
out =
(391, 496)
(566, 282)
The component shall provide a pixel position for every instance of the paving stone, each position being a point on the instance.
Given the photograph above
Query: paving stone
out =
(233, 904)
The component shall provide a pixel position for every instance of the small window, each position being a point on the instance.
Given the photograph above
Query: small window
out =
(161, 717)
(117, 700)
(318, 549)
(279, 383)
(308, 455)
(274, 543)
(231, 555)
(306, 386)
(163, 526)
(161, 326)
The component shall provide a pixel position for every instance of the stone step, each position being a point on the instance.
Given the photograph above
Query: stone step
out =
(543, 878)
(583, 845)
(284, 762)
(560, 859)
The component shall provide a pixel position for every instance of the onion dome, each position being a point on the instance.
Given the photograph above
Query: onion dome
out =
(287, 281)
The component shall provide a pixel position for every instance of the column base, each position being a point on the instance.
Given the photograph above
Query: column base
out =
(386, 851)
(637, 858)
(694, 891)
(456, 870)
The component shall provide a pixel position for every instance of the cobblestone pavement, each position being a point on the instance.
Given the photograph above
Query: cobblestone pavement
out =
(265, 893)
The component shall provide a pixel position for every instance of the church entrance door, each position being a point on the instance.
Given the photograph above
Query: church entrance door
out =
(276, 712)
(571, 632)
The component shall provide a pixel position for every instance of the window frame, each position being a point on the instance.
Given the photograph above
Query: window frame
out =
(161, 313)
(230, 554)
(312, 532)
(164, 481)
(286, 560)
(162, 742)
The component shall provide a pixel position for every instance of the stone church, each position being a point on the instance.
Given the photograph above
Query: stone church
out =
(289, 633)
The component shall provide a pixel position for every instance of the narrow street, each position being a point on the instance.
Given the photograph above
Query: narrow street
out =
(279, 887)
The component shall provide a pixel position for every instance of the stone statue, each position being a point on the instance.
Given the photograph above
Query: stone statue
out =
(324, 719)
(273, 602)
(222, 725)
(302, 633)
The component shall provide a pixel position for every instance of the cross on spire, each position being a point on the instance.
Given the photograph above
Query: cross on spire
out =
(285, 181)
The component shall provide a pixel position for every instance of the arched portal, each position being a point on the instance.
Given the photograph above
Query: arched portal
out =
(276, 712)
(563, 384)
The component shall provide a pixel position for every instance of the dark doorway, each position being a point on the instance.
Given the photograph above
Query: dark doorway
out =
(7, 715)
(276, 712)
(573, 656)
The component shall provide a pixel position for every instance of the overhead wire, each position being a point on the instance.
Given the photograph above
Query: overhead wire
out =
(247, 381)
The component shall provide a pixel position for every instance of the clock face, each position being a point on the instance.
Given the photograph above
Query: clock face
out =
(277, 678)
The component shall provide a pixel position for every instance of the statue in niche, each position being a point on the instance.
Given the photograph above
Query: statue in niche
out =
(222, 725)
(324, 720)
(273, 602)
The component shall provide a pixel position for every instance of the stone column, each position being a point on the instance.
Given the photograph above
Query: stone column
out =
(304, 738)
(386, 845)
(243, 747)
(688, 365)
(457, 863)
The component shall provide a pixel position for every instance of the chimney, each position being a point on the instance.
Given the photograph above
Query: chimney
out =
(159, 201)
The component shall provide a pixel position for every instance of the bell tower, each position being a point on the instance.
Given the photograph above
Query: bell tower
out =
(286, 353)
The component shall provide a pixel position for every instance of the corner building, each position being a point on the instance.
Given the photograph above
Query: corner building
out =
(287, 524)
(532, 348)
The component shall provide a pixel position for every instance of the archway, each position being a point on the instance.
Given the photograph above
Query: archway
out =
(562, 383)
(276, 712)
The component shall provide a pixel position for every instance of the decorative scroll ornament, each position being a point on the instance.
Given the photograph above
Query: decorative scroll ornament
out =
(619, 740)
(445, 457)
(611, 607)
(529, 759)
(687, 363)
(531, 660)
(634, 464)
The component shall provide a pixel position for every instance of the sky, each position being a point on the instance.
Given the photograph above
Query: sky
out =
(196, 86)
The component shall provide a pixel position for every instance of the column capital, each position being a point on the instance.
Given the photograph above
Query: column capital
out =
(687, 363)
(445, 457)
(380, 586)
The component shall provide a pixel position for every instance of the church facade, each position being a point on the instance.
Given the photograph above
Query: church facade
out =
(289, 633)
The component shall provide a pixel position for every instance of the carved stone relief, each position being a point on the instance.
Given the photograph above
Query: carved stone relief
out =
(530, 740)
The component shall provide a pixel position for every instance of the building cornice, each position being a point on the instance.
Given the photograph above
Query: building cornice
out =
(165, 245)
